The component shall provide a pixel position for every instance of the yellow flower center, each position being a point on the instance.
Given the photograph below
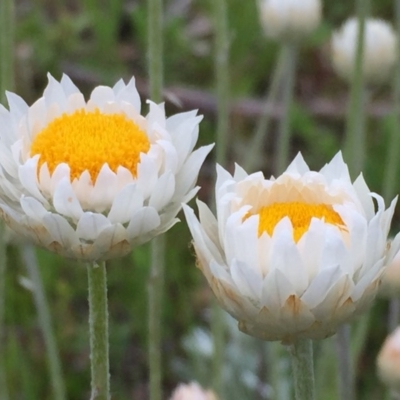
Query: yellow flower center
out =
(87, 140)
(300, 214)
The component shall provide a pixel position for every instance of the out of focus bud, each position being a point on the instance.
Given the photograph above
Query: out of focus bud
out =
(290, 20)
(388, 361)
(390, 286)
(379, 53)
(192, 391)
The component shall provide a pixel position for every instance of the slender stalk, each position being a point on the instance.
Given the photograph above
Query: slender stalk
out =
(3, 266)
(284, 131)
(221, 57)
(301, 353)
(156, 279)
(345, 367)
(7, 22)
(254, 152)
(98, 324)
(46, 326)
(394, 312)
(355, 133)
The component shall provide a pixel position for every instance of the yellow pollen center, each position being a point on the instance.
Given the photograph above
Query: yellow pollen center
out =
(300, 214)
(87, 140)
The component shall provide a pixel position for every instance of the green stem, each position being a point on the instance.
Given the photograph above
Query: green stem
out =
(53, 358)
(354, 147)
(156, 279)
(155, 288)
(98, 324)
(288, 91)
(301, 353)
(7, 21)
(345, 366)
(3, 267)
(255, 150)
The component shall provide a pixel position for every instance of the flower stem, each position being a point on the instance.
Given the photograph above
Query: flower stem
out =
(98, 324)
(3, 267)
(7, 21)
(56, 377)
(288, 90)
(254, 152)
(345, 365)
(301, 353)
(354, 147)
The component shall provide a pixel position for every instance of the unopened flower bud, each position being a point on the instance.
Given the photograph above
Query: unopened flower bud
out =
(388, 361)
(379, 50)
(290, 20)
(192, 391)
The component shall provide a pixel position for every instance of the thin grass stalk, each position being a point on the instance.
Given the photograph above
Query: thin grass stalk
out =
(260, 136)
(156, 278)
(283, 145)
(45, 322)
(301, 353)
(221, 65)
(345, 368)
(98, 326)
(3, 267)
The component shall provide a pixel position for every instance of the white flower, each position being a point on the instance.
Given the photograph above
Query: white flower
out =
(290, 20)
(90, 180)
(388, 361)
(379, 52)
(296, 256)
(391, 279)
(192, 391)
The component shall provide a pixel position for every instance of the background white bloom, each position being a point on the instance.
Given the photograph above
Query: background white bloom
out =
(90, 180)
(192, 391)
(380, 50)
(290, 19)
(388, 361)
(296, 256)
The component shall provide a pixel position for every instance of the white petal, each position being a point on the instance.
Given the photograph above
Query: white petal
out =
(65, 201)
(143, 221)
(246, 280)
(125, 204)
(90, 225)
(163, 191)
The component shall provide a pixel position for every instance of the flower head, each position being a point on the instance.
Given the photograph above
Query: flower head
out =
(90, 180)
(379, 51)
(290, 20)
(388, 361)
(296, 256)
(192, 391)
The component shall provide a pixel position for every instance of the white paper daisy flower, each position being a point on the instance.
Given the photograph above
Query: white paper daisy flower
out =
(90, 180)
(296, 256)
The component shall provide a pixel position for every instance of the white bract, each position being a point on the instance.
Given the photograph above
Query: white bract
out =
(90, 180)
(296, 256)
(379, 50)
(290, 20)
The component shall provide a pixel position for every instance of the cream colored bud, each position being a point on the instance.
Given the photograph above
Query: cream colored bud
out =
(290, 20)
(192, 391)
(390, 286)
(388, 362)
(379, 52)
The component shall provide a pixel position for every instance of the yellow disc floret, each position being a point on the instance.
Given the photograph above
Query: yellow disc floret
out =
(86, 140)
(300, 214)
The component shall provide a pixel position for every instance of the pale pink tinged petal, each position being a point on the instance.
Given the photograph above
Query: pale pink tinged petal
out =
(163, 191)
(28, 178)
(209, 223)
(366, 279)
(65, 201)
(62, 171)
(75, 102)
(285, 256)
(248, 282)
(130, 95)
(125, 204)
(298, 166)
(173, 122)
(54, 93)
(102, 95)
(147, 175)
(60, 230)
(364, 196)
(118, 86)
(240, 173)
(18, 107)
(143, 221)
(90, 225)
(37, 117)
(68, 86)
(156, 115)
(276, 289)
(33, 208)
(170, 156)
(187, 176)
(104, 189)
(321, 284)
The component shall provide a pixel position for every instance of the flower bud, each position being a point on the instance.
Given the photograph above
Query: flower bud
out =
(379, 51)
(388, 362)
(290, 20)
(192, 391)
